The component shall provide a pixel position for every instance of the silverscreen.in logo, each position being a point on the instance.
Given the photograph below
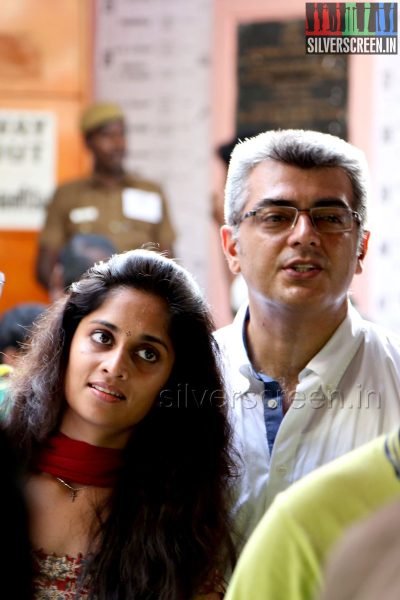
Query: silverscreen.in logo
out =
(351, 28)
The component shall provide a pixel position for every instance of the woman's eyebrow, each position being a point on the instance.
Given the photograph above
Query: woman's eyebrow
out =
(105, 324)
(146, 337)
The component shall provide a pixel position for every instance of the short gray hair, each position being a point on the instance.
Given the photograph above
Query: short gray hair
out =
(301, 148)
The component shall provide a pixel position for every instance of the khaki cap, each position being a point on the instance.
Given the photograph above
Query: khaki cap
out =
(99, 114)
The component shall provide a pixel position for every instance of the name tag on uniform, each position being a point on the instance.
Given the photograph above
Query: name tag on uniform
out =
(141, 205)
(84, 214)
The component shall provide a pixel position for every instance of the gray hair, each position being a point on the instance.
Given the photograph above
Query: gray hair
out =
(300, 148)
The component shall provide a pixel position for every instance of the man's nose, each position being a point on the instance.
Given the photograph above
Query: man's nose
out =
(303, 230)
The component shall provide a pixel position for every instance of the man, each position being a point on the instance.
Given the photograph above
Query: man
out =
(365, 564)
(310, 379)
(129, 211)
(75, 257)
(285, 556)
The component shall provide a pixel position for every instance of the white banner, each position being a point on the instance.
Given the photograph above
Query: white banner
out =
(27, 167)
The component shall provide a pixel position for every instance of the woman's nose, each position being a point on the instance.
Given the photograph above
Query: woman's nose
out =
(115, 364)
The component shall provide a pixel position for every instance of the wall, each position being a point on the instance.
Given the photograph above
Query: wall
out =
(228, 14)
(45, 65)
(154, 59)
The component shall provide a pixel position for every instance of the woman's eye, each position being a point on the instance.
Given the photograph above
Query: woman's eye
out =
(101, 337)
(148, 354)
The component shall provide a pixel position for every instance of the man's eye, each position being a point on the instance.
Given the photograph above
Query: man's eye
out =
(101, 337)
(332, 215)
(148, 355)
(272, 216)
(334, 218)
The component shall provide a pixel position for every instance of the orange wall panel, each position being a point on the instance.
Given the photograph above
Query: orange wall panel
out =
(41, 45)
(17, 261)
(45, 64)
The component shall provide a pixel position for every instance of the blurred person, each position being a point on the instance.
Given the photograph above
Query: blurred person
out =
(129, 210)
(16, 564)
(15, 327)
(285, 557)
(309, 378)
(127, 478)
(77, 256)
(5, 370)
(237, 285)
(364, 565)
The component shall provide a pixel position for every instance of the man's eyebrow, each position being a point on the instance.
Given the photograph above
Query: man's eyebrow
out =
(146, 337)
(283, 202)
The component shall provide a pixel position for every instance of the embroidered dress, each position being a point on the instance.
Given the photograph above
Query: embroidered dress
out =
(57, 577)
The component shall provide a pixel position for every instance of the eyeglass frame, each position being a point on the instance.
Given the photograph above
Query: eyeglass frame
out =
(252, 213)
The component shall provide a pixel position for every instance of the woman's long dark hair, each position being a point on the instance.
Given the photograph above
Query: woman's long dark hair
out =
(167, 531)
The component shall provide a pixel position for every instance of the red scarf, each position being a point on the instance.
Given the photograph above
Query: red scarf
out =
(79, 462)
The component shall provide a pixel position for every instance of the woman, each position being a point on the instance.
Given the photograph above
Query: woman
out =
(119, 415)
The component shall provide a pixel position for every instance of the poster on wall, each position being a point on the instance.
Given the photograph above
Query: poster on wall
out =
(27, 167)
(282, 87)
(154, 59)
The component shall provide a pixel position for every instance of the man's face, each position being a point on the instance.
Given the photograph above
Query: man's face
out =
(108, 145)
(297, 268)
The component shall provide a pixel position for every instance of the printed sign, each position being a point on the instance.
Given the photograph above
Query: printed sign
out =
(27, 167)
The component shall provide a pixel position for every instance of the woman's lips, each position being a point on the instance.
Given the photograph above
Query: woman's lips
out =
(107, 392)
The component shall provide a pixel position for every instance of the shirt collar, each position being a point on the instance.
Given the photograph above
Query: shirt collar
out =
(392, 450)
(329, 364)
(247, 380)
(333, 359)
(126, 180)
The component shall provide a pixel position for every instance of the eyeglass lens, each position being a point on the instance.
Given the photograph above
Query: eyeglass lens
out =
(329, 219)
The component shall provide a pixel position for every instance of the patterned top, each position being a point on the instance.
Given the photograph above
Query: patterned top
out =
(57, 577)
(5, 372)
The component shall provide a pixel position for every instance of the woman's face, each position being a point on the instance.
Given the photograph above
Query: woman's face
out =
(121, 356)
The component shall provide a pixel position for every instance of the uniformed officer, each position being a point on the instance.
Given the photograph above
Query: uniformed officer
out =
(130, 211)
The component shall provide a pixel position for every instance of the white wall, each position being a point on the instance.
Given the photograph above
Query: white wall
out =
(154, 58)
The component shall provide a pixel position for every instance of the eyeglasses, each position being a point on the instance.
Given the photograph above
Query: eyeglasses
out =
(325, 219)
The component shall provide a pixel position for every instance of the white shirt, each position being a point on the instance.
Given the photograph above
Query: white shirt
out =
(348, 394)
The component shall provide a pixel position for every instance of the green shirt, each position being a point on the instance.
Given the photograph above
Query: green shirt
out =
(284, 558)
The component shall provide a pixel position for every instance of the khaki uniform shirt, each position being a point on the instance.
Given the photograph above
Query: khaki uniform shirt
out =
(136, 213)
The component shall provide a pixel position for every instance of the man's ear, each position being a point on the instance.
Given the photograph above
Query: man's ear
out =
(230, 247)
(362, 251)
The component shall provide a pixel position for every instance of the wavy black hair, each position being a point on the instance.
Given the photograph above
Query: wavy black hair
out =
(167, 531)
